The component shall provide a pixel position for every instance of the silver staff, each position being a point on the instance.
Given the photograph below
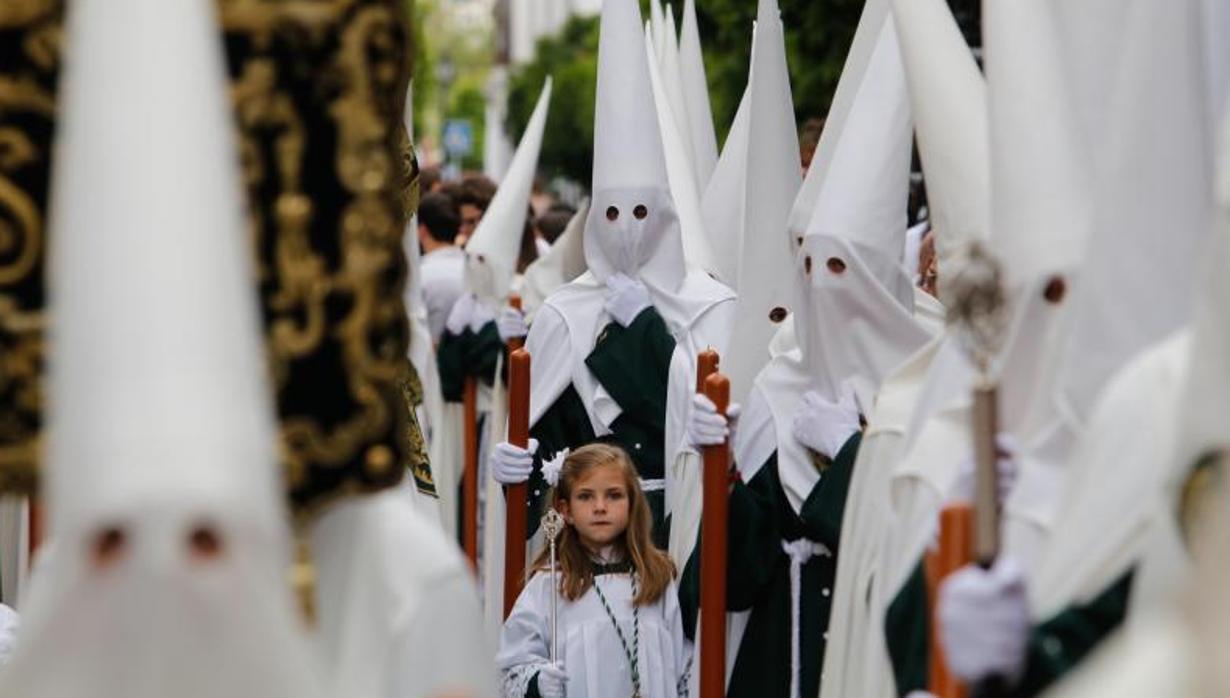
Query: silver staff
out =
(552, 524)
(978, 311)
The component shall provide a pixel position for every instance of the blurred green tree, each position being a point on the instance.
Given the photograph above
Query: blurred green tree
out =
(818, 36)
(571, 58)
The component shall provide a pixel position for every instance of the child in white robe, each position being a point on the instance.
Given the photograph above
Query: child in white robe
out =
(619, 632)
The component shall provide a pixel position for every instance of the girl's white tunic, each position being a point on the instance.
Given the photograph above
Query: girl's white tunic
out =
(589, 648)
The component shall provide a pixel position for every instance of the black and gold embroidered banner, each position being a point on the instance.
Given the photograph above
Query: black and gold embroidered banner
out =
(30, 32)
(319, 89)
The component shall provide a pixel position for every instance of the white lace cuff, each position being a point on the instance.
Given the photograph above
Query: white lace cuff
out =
(515, 681)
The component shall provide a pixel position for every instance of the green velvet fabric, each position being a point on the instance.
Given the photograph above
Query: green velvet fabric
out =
(632, 364)
(758, 576)
(1055, 647)
(1063, 641)
(470, 353)
(906, 630)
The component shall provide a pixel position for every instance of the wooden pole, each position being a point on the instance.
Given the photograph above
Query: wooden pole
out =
(514, 302)
(986, 475)
(706, 365)
(516, 496)
(469, 477)
(956, 550)
(713, 552)
(986, 516)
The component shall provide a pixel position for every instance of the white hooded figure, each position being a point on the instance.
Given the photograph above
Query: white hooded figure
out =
(1176, 645)
(167, 574)
(762, 253)
(1089, 572)
(481, 322)
(399, 614)
(949, 107)
(396, 607)
(602, 347)
(1039, 221)
(562, 264)
(492, 251)
(771, 182)
(798, 436)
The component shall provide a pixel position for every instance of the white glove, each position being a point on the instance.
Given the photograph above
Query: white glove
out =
(625, 298)
(480, 316)
(708, 428)
(825, 426)
(1005, 466)
(511, 324)
(511, 465)
(551, 680)
(459, 316)
(984, 621)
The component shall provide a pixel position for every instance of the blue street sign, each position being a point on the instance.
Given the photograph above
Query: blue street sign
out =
(458, 137)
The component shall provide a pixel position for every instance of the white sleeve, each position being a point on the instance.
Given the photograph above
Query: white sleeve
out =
(524, 642)
(441, 649)
(683, 480)
(550, 346)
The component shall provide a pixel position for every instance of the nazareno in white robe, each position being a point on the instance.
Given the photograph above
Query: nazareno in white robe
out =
(589, 648)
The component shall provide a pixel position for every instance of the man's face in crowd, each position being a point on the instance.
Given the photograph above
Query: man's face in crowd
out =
(470, 216)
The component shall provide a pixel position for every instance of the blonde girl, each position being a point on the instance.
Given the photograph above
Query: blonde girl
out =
(619, 632)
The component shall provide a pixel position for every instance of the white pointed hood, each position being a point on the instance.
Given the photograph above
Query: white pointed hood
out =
(952, 132)
(771, 182)
(950, 110)
(672, 84)
(1040, 210)
(1116, 490)
(855, 321)
(657, 29)
(853, 72)
(1143, 112)
(1040, 219)
(630, 163)
(698, 253)
(696, 97)
(167, 511)
(1039, 183)
(492, 252)
(722, 205)
(632, 227)
(852, 315)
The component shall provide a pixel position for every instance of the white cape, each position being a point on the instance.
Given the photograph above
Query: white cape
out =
(397, 611)
(1124, 468)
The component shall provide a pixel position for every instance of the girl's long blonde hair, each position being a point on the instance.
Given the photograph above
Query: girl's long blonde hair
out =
(653, 567)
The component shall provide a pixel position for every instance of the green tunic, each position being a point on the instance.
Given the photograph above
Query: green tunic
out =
(758, 576)
(1055, 647)
(632, 364)
(460, 356)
